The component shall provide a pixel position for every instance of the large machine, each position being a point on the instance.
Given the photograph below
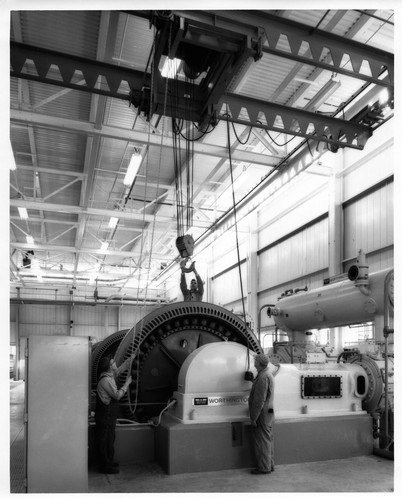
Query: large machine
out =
(161, 342)
(193, 369)
(358, 298)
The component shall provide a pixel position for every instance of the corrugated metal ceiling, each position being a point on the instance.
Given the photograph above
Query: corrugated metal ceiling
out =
(72, 148)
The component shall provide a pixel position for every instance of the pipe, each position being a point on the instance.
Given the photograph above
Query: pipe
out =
(259, 320)
(387, 330)
(139, 302)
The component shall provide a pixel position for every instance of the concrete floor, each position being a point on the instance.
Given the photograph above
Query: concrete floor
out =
(361, 474)
(358, 474)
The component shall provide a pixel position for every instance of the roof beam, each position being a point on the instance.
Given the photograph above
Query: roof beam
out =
(71, 209)
(94, 251)
(320, 41)
(294, 121)
(136, 137)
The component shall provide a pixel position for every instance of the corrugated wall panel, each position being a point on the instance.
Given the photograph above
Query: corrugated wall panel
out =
(53, 316)
(85, 315)
(306, 200)
(98, 322)
(368, 167)
(368, 222)
(29, 329)
(225, 253)
(301, 254)
(381, 260)
(227, 286)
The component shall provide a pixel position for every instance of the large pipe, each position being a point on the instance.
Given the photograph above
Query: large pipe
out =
(338, 304)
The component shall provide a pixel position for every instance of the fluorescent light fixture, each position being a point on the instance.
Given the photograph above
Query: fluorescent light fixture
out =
(113, 222)
(23, 212)
(132, 170)
(170, 67)
(319, 98)
(30, 240)
(13, 166)
(104, 246)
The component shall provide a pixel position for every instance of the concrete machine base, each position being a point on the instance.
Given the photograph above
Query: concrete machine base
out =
(133, 444)
(200, 447)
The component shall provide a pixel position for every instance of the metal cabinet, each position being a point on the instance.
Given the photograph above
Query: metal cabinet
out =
(56, 407)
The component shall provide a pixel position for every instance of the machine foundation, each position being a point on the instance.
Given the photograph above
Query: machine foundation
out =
(182, 448)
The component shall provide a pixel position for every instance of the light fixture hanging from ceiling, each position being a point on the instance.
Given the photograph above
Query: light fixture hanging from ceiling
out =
(323, 94)
(171, 67)
(113, 222)
(132, 169)
(23, 212)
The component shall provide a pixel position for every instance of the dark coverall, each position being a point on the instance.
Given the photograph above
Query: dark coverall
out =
(260, 404)
(105, 419)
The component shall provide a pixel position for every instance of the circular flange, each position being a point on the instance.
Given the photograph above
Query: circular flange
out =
(376, 385)
(105, 348)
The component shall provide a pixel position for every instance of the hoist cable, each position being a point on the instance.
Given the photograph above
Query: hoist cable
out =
(145, 294)
(236, 231)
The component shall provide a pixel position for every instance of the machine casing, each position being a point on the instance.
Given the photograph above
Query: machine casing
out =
(215, 435)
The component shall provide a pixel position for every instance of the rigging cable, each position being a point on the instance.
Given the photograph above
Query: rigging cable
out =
(236, 232)
(145, 291)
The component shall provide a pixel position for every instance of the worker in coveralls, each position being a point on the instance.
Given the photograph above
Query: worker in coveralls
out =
(196, 290)
(107, 397)
(261, 410)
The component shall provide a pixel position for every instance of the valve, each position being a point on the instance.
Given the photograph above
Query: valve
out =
(359, 272)
(272, 311)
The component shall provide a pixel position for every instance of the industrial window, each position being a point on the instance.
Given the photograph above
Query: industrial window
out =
(318, 386)
(359, 333)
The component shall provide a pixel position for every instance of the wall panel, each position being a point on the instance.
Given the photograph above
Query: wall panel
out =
(227, 286)
(301, 254)
(368, 222)
(298, 208)
(368, 167)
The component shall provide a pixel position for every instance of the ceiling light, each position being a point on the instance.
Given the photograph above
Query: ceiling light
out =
(132, 170)
(113, 222)
(23, 212)
(104, 246)
(30, 240)
(170, 67)
(12, 164)
(320, 97)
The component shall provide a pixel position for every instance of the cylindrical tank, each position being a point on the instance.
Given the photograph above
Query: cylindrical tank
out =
(337, 304)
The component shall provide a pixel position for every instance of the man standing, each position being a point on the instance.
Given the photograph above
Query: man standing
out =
(107, 398)
(261, 410)
(196, 290)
